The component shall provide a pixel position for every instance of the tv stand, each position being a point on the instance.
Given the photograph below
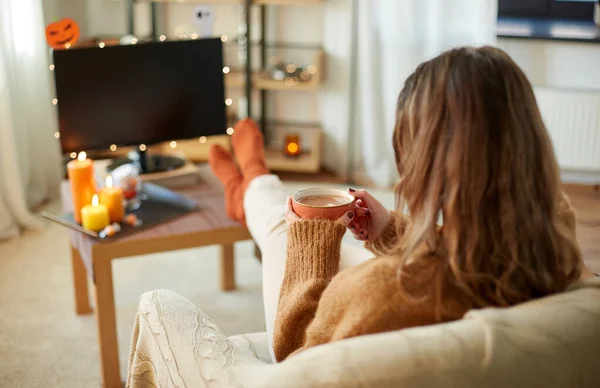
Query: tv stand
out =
(149, 164)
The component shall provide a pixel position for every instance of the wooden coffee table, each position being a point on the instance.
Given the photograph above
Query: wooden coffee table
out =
(93, 260)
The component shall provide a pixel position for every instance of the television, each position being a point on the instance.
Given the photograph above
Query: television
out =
(138, 94)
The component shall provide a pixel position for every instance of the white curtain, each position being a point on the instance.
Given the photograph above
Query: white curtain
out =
(29, 154)
(393, 37)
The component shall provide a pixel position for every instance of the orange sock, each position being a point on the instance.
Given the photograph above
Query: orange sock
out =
(249, 148)
(223, 166)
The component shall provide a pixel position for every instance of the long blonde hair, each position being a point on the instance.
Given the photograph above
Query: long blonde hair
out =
(471, 146)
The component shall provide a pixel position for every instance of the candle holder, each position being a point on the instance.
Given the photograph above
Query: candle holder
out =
(292, 145)
(127, 177)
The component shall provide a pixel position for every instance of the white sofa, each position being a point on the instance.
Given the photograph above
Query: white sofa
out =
(551, 342)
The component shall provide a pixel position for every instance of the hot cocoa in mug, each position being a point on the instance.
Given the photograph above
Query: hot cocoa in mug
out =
(326, 203)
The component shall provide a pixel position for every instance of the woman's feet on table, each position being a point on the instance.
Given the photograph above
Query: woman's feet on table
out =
(248, 146)
(223, 166)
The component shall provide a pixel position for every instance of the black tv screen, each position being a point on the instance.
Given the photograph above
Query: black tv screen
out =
(139, 94)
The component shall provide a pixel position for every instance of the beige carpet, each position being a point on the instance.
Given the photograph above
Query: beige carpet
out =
(44, 344)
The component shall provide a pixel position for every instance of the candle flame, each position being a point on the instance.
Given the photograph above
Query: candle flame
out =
(95, 200)
(109, 181)
(82, 156)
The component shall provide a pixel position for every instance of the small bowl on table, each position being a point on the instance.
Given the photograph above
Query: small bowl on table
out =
(322, 203)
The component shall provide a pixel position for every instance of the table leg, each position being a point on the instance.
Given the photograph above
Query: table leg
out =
(80, 284)
(227, 267)
(106, 322)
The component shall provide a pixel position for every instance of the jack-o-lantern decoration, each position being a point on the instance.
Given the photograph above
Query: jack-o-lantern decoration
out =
(62, 34)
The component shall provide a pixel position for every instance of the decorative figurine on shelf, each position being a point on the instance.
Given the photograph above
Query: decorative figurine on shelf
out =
(292, 145)
(63, 34)
(290, 73)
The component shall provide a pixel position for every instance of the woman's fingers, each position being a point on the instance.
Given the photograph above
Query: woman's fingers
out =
(290, 216)
(362, 211)
(346, 219)
(363, 195)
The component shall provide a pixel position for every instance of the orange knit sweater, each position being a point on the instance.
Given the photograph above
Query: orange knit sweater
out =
(318, 305)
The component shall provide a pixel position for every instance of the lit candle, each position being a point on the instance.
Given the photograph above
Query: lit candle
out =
(95, 216)
(292, 145)
(83, 187)
(112, 198)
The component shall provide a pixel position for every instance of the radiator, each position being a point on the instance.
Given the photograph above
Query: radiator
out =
(573, 120)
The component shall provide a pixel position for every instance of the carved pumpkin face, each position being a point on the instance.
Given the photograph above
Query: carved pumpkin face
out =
(62, 34)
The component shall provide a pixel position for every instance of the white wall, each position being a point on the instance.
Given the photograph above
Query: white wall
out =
(566, 79)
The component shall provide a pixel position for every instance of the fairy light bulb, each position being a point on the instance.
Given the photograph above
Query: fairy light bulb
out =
(51, 67)
(113, 147)
(230, 131)
(173, 144)
(229, 102)
(194, 35)
(82, 157)
(203, 139)
(162, 38)
(101, 44)
(226, 70)
(57, 135)
(142, 147)
(224, 38)
(68, 46)
(134, 40)
(73, 155)
(54, 101)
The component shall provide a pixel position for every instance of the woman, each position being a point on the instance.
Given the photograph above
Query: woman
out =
(471, 148)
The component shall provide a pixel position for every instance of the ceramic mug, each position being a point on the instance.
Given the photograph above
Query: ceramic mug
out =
(330, 210)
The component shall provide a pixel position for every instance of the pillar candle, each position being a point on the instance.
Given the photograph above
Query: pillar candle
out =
(83, 187)
(95, 216)
(112, 198)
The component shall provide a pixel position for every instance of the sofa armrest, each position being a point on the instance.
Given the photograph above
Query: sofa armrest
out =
(175, 344)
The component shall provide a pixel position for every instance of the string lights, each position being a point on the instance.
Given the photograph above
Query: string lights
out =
(113, 147)
(194, 35)
(101, 44)
(54, 101)
(57, 135)
(229, 102)
(51, 67)
(224, 38)
(73, 155)
(202, 139)
(173, 144)
(230, 131)
(162, 38)
(142, 147)
(226, 70)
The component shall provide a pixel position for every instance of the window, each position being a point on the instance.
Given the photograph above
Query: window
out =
(551, 9)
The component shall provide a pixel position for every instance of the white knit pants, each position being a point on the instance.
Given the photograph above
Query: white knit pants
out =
(264, 203)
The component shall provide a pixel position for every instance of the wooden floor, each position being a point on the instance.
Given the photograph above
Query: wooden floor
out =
(586, 202)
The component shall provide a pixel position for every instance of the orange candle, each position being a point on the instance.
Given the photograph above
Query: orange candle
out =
(83, 187)
(112, 198)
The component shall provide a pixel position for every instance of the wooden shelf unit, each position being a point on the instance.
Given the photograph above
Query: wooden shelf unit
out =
(310, 160)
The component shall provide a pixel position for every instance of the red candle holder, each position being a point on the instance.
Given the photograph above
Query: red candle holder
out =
(292, 145)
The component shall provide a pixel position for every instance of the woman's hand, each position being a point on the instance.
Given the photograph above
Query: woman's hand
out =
(371, 216)
(292, 217)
